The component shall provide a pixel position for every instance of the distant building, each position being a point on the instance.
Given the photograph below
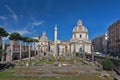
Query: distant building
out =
(35, 45)
(36, 37)
(78, 43)
(114, 38)
(100, 44)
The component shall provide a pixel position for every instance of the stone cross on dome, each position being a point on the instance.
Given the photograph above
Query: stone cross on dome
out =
(79, 22)
(44, 34)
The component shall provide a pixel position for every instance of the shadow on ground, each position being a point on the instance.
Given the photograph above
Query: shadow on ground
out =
(7, 65)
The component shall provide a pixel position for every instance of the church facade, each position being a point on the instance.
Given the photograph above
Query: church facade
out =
(79, 42)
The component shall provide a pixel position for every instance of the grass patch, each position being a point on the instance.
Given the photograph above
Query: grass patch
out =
(7, 75)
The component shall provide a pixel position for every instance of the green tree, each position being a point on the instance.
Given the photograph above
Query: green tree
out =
(14, 37)
(107, 64)
(3, 33)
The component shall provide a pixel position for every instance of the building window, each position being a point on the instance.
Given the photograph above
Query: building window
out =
(80, 50)
(80, 36)
(74, 36)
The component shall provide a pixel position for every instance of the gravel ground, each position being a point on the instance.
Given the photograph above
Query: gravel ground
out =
(51, 70)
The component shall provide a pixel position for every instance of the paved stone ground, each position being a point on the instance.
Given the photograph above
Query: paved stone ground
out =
(51, 70)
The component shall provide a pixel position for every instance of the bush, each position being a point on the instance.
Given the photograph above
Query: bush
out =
(107, 64)
(77, 54)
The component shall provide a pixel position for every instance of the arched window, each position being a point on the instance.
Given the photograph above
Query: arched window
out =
(80, 36)
(74, 36)
(80, 50)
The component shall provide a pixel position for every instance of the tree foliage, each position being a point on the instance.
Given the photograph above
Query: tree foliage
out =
(3, 33)
(107, 64)
(24, 38)
(29, 40)
(15, 36)
(35, 40)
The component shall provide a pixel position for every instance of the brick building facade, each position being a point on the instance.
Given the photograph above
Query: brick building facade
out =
(114, 38)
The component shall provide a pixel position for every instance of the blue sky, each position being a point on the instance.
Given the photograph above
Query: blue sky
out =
(33, 17)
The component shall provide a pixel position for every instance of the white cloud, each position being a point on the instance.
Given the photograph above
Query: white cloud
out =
(4, 21)
(3, 18)
(15, 17)
(37, 23)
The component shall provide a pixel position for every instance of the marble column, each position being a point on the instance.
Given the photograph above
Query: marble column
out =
(3, 45)
(11, 46)
(55, 40)
(20, 50)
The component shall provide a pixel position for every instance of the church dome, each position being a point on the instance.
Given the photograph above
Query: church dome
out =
(44, 37)
(80, 28)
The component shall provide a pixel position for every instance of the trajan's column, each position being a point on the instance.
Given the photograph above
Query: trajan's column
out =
(55, 41)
